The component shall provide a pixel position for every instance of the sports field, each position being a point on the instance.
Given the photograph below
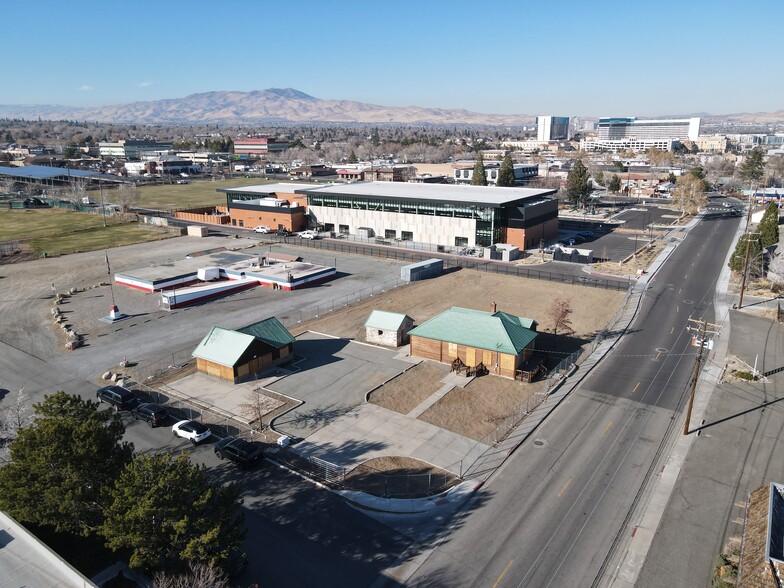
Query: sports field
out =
(194, 194)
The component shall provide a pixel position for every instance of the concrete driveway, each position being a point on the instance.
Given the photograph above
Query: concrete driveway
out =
(333, 376)
(370, 431)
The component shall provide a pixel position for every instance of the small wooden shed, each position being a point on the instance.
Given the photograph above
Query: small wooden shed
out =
(237, 356)
(388, 328)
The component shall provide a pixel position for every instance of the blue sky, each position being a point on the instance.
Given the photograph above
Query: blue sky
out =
(561, 57)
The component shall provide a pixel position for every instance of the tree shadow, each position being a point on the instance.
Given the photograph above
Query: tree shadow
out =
(298, 532)
(298, 420)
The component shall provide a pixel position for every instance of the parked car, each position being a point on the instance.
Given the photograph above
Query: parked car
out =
(578, 240)
(194, 431)
(585, 234)
(243, 453)
(282, 232)
(309, 234)
(120, 398)
(550, 248)
(153, 414)
(262, 229)
(566, 242)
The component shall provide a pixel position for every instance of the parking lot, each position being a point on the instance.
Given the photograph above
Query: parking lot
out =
(333, 376)
(152, 334)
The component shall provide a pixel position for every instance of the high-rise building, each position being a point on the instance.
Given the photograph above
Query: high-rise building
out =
(622, 133)
(630, 128)
(552, 128)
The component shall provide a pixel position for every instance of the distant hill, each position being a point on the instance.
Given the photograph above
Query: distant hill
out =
(274, 105)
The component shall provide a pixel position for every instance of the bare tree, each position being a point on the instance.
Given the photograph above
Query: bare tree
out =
(776, 169)
(127, 195)
(76, 194)
(18, 415)
(200, 575)
(254, 408)
(689, 194)
(559, 313)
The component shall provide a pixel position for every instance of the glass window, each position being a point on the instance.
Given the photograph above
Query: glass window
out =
(329, 227)
(343, 229)
(407, 236)
(390, 234)
(461, 241)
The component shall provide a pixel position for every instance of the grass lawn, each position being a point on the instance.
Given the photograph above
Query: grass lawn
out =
(197, 193)
(45, 222)
(97, 238)
(58, 231)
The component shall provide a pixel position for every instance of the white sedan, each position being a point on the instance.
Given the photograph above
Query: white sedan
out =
(194, 431)
(309, 234)
(262, 229)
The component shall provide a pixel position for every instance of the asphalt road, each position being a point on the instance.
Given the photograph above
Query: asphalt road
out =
(559, 504)
(738, 451)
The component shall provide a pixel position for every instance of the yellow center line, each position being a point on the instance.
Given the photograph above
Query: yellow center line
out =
(607, 428)
(569, 481)
(506, 569)
(635, 388)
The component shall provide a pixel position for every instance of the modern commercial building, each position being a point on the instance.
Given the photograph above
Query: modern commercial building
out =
(623, 133)
(134, 149)
(435, 214)
(277, 206)
(552, 128)
(259, 146)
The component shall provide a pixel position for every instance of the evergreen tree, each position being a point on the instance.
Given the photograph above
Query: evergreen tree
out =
(61, 462)
(615, 184)
(753, 167)
(577, 186)
(769, 226)
(168, 513)
(480, 177)
(352, 157)
(739, 255)
(506, 175)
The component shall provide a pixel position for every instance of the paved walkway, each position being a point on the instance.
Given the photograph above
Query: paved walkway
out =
(449, 382)
(369, 431)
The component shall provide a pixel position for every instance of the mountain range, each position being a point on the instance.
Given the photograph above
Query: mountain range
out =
(286, 105)
(271, 106)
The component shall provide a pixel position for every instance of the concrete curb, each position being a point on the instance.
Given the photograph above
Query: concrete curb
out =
(404, 506)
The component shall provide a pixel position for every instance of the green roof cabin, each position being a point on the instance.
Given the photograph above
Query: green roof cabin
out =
(500, 341)
(241, 355)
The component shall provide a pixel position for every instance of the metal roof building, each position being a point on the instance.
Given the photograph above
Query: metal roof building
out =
(498, 340)
(240, 355)
(436, 214)
(44, 175)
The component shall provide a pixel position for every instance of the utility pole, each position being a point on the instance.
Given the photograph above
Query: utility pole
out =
(745, 268)
(703, 330)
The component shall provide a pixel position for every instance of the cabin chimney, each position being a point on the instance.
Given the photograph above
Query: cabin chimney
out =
(493, 307)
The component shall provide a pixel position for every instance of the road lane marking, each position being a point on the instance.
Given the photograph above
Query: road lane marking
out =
(677, 309)
(506, 569)
(686, 276)
(569, 481)
(658, 355)
(679, 290)
(672, 330)
(607, 428)
(635, 388)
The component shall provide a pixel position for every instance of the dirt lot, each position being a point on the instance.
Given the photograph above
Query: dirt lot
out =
(410, 388)
(592, 307)
(477, 409)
